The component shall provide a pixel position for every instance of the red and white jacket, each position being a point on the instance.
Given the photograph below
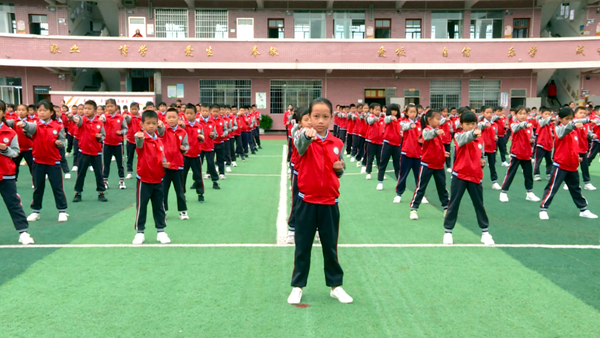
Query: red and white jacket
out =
(113, 124)
(150, 158)
(392, 133)
(375, 130)
(469, 153)
(25, 143)
(134, 124)
(566, 148)
(434, 153)
(9, 138)
(193, 129)
(545, 134)
(410, 145)
(173, 138)
(88, 143)
(208, 126)
(521, 141)
(44, 136)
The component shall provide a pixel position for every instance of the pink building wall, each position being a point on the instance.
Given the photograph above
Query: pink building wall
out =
(23, 8)
(32, 77)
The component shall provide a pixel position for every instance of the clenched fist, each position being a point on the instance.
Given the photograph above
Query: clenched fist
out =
(338, 166)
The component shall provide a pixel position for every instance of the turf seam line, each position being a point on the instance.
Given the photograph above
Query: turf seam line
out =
(282, 207)
(258, 245)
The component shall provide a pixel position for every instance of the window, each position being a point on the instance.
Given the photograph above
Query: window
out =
(211, 24)
(374, 93)
(11, 90)
(309, 24)
(38, 24)
(413, 28)
(7, 18)
(298, 93)
(412, 96)
(518, 97)
(383, 28)
(171, 23)
(230, 92)
(446, 25)
(486, 25)
(445, 93)
(41, 93)
(275, 28)
(349, 25)
(484, 93)
(520, 28)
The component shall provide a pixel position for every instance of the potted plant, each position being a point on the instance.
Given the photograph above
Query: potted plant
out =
(266, 123)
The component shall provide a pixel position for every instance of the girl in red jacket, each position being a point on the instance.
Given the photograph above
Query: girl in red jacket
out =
(544, 143)
(48, 135)
(9, 149)
(411, 151)
(391, 144)
(320, 156)
(467, 175)
(25, 143)
(566, 162)
(432, 162)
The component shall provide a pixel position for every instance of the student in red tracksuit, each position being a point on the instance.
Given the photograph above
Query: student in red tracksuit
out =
(566, 162)
(391, 144)
(134, 124)
(228, 150)
(411, 151)
(241, 142)
(208, 126)
(320, 156)
(489, 133)
(584, 136)
(520, 155)
(219, 141)
(115, 127)
(288, 117)
(544, 143)
(91, 136)
(350, 122)
(25, 143)
(355, 131)
(150, 172)
(447, 136)
(257, 118)
(175, 141)
(48, 136)
(75, 133)
(374, 137)
(467, 175)
(191, 159)
(363, 144)
(595, 146)
(336, 119)
(9, 149)
(432, 162)
(500, 122)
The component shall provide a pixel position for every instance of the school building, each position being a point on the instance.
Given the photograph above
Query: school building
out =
(275, 53)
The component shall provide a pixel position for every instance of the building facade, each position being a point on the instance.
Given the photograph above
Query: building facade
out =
(275, 53)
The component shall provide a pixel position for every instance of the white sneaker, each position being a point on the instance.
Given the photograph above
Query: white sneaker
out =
(289, 170)
(122, 185)
(544, 215)
(227, 169)
(74, 169)
(92, 169)
(221, 177)
(290, 239)
(183, 215)
(565, 187)
(448, 238)
(138, 239)
(113, 159)
(163, 238)
(129, 176)
(23, 162)
(207, 176)
(445, 212)
(233, 164)
(379, 186)
(352, 160)
(424, 200)
(363, 170)
(503, 197)
(341, 295)
(63, 217)
(397, 199)
(68, 155)
(384, 177)
(532, 197)
(67, 176)
(25, 239)
(587, 214)
(537, 178)
(589, 186)
(105, 184)
(347, 155)
(295, 297)
(368, 176)
(317, 237)
(358, 164)
(449, 170)
(46, 177)
(413, 214)
(496, 186)
(505, 164)
(487, 239)
(33, 217)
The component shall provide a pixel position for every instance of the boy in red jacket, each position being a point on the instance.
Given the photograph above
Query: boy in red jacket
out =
(191, 159)
(544, 143)
(490, 136)
(176, 144)
(134, 124)
(467, 175)
(150, 172)
(115, 127)
(374, 136)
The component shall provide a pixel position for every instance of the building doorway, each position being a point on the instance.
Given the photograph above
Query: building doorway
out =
(375, 96)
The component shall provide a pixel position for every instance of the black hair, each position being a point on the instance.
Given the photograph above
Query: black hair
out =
(410, 105)
(395, 107)
(451, 109)
(191, 106)
(63, 106)
(519, 108)
(3, 109)
(113, 101)
(578, 108)
(173, 105)
(299, 114)
(430, 113)
(48, 105)
(597, 108)
(172, 110)
(544, 109)
(178, 100)
(419, 106)
(484, 108)
(461, 110)
(532, 108)
(468, 117)
(373, 105)
(149, 103)
(352, 105)
(124, 106)
(320, 100)
(135, 104)
(497, 108)
(149, 114)
(91, 103)
(162, 104)
(565, 112)
(360, 105)
(215, 106)
(31, 106)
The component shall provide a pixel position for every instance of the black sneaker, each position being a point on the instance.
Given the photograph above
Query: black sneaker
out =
(254, 153)
(201, 198)
(77, 198)
(102, 198)
(259, 147)
(216, 186)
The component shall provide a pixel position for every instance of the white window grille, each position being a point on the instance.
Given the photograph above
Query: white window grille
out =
(445, 93)
(211, 24)
(171, 23)
(298, 93)
(484, 93)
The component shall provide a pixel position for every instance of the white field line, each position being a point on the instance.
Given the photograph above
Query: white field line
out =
(242, 245)
(255, 175)
(282, 208)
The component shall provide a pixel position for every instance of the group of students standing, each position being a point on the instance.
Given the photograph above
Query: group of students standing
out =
(168, 143)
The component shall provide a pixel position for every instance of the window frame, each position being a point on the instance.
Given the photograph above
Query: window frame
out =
(166, 30)
(528, 27)
(200, 23)
(420, 29)
(280, 30)
(388, 28)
